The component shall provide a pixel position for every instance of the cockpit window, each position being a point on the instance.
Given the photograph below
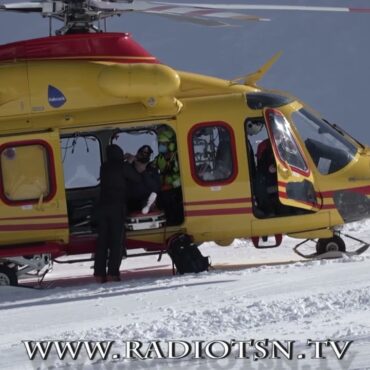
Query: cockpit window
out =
(329, 150)
(285, 145)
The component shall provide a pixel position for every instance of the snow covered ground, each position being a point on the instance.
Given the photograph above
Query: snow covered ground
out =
(317, 300)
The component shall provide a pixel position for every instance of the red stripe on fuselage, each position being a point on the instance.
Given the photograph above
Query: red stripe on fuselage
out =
(30, 227)
(218, 201)
(329, 193)
(32, 217)
(218, 212)
(361, 189)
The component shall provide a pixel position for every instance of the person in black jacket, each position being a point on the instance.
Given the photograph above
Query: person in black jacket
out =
(114, 177)
(267, 188)
(144, 194)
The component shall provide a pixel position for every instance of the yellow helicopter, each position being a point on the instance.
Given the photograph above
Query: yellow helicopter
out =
(251, 163)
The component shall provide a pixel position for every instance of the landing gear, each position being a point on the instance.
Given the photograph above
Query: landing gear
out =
(334, 244)
(14, 268)
(334, 247)
(8, 276)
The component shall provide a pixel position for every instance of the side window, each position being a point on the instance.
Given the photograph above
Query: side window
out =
(81, 161)
(25, 172)
(131, 141)
(160, 141)
(212, 152)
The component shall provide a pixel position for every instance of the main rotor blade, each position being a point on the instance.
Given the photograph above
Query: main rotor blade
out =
(80, 15)
(269, 7)
(185, 12)
(182, 18)
(48, 8)
(25, 7)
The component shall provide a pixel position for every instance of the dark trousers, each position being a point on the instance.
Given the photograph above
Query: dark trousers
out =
(111, 234)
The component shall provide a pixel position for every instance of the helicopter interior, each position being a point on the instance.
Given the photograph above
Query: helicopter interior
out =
(83, 154)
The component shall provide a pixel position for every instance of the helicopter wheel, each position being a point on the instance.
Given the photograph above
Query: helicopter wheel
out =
(334, 244)
(8, 276)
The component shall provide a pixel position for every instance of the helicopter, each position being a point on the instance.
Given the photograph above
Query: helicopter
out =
(252, 162)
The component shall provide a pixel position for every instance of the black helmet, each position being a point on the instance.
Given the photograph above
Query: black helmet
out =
(143, 154)
(145, 149)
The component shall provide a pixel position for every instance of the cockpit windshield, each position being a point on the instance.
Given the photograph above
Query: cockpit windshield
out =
(329, 150)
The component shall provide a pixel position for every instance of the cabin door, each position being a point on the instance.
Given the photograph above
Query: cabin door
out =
(32, 196)
(296, 185)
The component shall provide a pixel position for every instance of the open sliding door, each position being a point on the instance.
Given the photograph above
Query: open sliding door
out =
(295, 180)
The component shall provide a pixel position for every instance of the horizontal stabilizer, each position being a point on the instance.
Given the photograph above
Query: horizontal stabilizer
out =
(252, 78)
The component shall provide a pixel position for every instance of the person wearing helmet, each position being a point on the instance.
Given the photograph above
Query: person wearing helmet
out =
(168, 166)
(144, 194)
(253, 128)
(266, 179)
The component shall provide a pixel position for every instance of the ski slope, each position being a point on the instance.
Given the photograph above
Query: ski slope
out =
(296, 301)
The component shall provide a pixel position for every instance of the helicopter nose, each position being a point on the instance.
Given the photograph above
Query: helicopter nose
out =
(352, 205)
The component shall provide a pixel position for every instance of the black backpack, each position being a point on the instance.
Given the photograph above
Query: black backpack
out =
(185, 255)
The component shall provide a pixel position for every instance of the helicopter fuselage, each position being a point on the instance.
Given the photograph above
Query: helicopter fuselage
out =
(98, 85)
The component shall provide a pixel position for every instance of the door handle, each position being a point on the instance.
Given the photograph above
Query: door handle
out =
(284, 171)
(40, 203)
(41, 206)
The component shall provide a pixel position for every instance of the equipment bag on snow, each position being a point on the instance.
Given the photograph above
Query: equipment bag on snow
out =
(185, 255)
